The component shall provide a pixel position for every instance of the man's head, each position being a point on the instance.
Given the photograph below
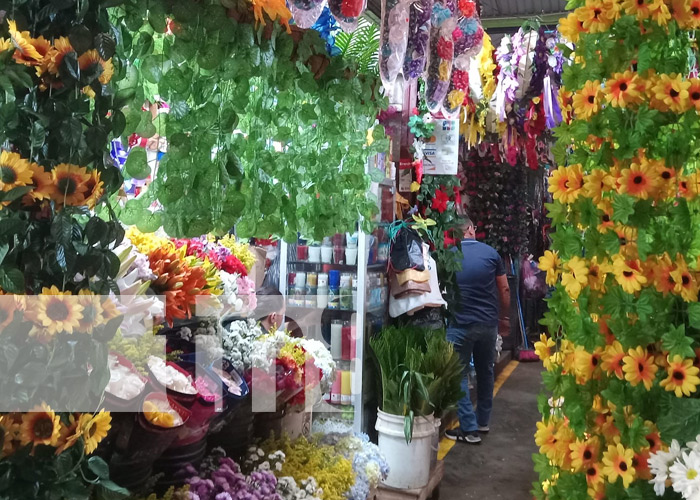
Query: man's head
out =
(466, 226)
(270, 310)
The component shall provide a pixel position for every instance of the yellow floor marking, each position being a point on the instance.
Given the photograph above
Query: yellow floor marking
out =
(447, 444)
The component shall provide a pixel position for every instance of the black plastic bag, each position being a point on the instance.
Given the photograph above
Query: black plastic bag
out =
(407, 250)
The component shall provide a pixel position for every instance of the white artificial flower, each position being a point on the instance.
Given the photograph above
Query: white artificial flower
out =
(694, 445)
(685, 475)
(659, 464)
(323, 360)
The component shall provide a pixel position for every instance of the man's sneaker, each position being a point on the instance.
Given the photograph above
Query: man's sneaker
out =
(484, 429)
(463, 437)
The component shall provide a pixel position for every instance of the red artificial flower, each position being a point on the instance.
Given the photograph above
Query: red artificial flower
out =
(445, 48)
(439, 203)
(458, 195)
(466, 7)
(449, 241)
(460, 79)
(232, 265)
(414, 111)
(418, 165)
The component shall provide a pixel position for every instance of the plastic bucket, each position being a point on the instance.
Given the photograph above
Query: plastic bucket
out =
(409, 464)
(435, 447)
(236, 432)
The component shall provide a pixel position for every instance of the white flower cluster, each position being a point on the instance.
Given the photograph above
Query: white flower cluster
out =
(238, 342)
(324, 360)
(678, 466)
(230, 298)
(267, 348)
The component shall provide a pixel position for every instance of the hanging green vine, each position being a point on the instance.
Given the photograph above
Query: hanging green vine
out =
(265, 132)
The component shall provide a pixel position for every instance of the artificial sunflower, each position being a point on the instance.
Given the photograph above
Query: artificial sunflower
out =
(551, 264)
(593, 16)
(639, 180)
(15, 171)
(605, 222)
(670, 93)
(61, 47)
(639, 367)
(571, 27)
(694, 93)
(94, 428)
(574, 276)
(617, 463)
(543, 349)
(682, 377)
(92, 311)
(624, 89)
(274, 9)
(56, 311)
(641, 9)
(91, 58)
(587, 364)
(653, 437)
(660, 12)
(686, 283)
(612, 360)
(25, 50)
(565, 183)
(6, 44)
(594, 478)
(594, 185)
(41, 47)
(628, 273)
(663, 279)
(40, 426)
(94, 189)
(545, 438)
(587, 100)
(584, 453)
(71, 184)
(68, 435)
(597, 273)
(666, 180)
(689, 185)
(8, 431)
(566, 103)
(693, 14)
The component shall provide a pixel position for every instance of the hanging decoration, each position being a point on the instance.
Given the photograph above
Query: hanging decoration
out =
(393, 40)
(418, 39)
(441, 53)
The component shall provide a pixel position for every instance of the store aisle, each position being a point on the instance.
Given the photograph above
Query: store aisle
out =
(501, 467)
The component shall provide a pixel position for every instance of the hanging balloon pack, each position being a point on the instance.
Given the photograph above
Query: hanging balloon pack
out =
(393, 39)
(347, 12)
(418, 38)
(441, 54)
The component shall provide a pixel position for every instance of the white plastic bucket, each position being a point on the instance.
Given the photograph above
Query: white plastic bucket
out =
(409, 464)
(435, 444)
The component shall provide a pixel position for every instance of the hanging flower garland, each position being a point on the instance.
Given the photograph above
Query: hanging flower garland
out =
(624, 315)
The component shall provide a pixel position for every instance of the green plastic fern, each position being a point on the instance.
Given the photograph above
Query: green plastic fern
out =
(361, 46)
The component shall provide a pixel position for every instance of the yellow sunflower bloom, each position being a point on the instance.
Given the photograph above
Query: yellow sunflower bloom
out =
(641, 9)
(594, 16)
(639, 367)
(92, 58)
(587, 100)
(613, 360)
(686, 284)
(43, 186)
(543, 349)
(597, 273)
(71, 184)
(628, 273)
(22, 42)
(682, 377)
(274, 9)
(94, 429)
(15, 171)
(551, 264)
(670, 93)
(574, 276)
(56, 311)
(584, 453)
(617, 463)
(61, 47)
(640, 180)
(624, 89)
(586, 364)
(594, 185)
(40, 426)
(566, 183)
(571, 27)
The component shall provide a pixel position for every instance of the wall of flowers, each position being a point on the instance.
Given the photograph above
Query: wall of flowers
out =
(619, 415)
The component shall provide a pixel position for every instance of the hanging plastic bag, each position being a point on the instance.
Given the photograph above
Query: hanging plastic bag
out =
(393, 39)
(347, 12)
(468, 38)
(418, 39)
(533, 280)
(306, 12)
(407, 250)
(441, 55)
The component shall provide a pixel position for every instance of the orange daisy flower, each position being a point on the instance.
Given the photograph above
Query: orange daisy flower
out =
(41, 47)
(91, 58)
(587, 100)
(694, 93)
(639, 367)
(660, 13)
(639, 180)
(595, 480)
(640, 462)
(670, 93)
(613, 360)
(689, 185)
(565, 183)
(94, 189)
(597, 273)
(584, 453)
(594, 185)
(628, 273)
(593, 17)
(686, 283)
(617, 463)
(641, 9)
(653, 437)
(693, 14)
(571, 27)
(663, 280)
(586, 363)
(22, 40)
(682, 377)
(666, 180)
(605, 329)
(624, 89)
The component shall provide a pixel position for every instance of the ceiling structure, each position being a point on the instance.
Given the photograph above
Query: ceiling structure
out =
(503, 16)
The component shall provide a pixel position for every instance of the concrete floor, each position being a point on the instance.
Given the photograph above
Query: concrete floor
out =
(501, 466)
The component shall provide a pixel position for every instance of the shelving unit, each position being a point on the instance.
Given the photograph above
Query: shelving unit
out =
(368, 313)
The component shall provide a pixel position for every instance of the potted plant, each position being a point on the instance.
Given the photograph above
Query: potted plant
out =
(417, 384)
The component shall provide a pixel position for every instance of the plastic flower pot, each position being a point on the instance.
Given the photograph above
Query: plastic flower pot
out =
(409, 463)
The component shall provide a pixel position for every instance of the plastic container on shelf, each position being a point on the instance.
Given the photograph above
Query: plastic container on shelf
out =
(337, 339)
(409, 464)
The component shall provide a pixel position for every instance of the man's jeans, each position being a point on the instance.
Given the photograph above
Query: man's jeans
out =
(481, 340)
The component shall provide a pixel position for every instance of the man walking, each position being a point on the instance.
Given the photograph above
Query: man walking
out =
(483, 308)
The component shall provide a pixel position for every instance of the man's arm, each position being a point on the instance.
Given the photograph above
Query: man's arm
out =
(504, 300)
